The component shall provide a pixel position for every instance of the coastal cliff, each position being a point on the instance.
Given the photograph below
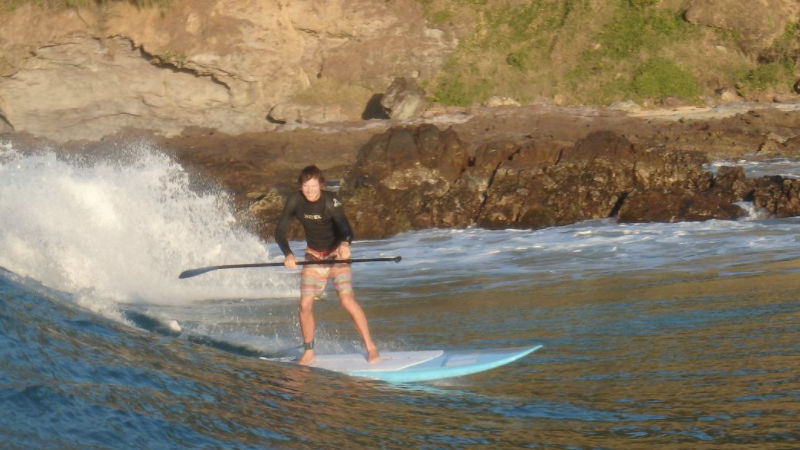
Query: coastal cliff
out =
(237, 66)
(221, 64)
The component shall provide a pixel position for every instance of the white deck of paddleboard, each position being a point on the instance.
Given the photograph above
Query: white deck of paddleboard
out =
(415, 366)
(390, 361)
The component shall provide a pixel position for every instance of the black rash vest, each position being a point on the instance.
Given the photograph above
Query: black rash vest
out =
(323, 221)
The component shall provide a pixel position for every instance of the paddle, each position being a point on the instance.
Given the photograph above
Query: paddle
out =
(199, 271)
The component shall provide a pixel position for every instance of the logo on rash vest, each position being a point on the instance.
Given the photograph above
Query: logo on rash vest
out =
(312, 216)
(336, 202)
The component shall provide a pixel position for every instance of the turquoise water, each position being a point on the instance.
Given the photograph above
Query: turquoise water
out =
(678, 335)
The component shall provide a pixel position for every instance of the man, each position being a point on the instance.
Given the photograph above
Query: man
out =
(328, 236)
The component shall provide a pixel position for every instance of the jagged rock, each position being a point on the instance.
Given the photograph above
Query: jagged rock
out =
(545, 185)
(403, 99)
(526, 168)
(411, 178)
(676, 205)
(779, 196)
(400, 177)
(732, 184)
(590, 180)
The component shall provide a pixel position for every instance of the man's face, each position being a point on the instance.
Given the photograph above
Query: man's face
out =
(311, 189)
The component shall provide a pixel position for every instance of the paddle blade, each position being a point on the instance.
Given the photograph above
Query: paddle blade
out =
(195, 272)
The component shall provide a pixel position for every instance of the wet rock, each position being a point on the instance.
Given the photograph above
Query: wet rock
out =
(676, 205)
(732, 184)
(526, 167)
(399, 179)
(547, 185)
(411, 178)
(777, 195)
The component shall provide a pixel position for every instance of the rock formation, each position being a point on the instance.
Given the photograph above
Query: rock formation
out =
(221, 64)
(412, 178)
(403, 99)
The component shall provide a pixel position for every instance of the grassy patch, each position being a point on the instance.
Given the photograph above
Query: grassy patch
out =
(638, 29)
(764, 76)
(660, 78)
(629, 57)
(504, 52)
(587, 52)
(778, 64)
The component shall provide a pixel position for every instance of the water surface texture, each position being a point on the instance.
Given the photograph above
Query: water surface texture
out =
(679, 335)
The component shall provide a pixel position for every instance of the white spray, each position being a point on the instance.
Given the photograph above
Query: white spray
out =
(121, 232)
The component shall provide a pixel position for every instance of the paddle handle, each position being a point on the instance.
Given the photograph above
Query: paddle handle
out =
(199, 271)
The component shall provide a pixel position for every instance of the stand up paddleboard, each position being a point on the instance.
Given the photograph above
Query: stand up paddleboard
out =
(413, 366)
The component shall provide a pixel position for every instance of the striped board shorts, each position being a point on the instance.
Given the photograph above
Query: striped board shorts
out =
(314, 278)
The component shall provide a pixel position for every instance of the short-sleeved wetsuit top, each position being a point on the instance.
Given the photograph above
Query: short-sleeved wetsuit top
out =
(324, 222)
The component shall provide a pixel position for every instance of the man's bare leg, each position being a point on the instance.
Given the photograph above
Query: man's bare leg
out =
(307, 326)
(348, 302)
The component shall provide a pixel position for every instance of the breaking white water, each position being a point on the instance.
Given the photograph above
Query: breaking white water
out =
(122, 229)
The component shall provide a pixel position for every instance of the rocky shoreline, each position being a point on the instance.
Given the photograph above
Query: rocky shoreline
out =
(514, 167)
(505, 167)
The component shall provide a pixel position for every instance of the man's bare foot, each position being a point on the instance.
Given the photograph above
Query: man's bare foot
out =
(307, 358)
(372, 355)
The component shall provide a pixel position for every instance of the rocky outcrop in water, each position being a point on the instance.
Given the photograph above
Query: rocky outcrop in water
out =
(777, 195)
(524, 167)
(423, 177)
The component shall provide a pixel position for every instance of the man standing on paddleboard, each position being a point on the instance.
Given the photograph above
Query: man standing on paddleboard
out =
(328, 236)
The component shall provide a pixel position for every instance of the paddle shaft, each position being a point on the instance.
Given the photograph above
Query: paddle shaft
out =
(199, 271)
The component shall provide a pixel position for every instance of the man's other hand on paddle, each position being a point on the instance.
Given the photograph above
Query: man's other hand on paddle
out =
(290, 262)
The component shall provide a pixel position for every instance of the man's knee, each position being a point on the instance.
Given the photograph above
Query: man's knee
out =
(306, 304)
(347, 298)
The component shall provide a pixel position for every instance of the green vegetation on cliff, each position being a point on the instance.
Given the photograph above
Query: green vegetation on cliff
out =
(590, 52)
(593, 52)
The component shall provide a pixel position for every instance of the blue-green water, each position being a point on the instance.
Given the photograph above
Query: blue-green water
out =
(679, 335)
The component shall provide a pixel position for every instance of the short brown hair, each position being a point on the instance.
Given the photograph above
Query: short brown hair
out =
(310, 172)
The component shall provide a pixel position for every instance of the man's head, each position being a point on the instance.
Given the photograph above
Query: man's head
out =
(311, 181)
